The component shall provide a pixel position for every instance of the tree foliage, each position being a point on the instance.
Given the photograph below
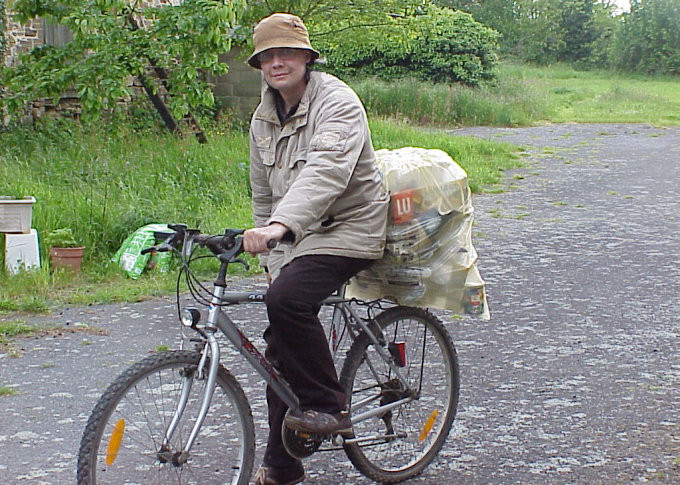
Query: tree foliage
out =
(330, 17)
(438, 44)
(116, 39)
(392, 38)
(577, 24)
(650, 38)
(545, 31)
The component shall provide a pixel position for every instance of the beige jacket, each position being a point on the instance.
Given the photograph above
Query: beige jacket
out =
(317, 175)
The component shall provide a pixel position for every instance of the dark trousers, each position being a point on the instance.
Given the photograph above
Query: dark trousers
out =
(296, 341)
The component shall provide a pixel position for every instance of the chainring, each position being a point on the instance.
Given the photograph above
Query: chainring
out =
(300, 444)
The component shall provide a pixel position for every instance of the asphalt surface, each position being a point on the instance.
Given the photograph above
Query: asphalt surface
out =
(574, 380)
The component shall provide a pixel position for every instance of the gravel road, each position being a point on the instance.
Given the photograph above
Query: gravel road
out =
(576, 378)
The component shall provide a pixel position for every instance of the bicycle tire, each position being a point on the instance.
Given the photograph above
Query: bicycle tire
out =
(430, 353)
(145, 398)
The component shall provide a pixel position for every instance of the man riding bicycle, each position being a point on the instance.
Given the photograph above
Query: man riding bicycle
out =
(314, 180)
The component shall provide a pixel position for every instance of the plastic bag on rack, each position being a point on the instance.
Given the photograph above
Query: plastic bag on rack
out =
(429, 258)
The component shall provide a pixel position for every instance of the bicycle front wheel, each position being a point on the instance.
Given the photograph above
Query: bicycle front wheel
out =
(398, 444)
(123, 439)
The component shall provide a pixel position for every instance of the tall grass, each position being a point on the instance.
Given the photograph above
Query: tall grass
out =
(510, 102)
(104, 183)
(600, 96)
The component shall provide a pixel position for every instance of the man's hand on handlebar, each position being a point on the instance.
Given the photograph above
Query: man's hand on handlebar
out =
(256, 241)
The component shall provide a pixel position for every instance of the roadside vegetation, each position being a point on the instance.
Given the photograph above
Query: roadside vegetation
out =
(104, 181)
(600, 96)
(525, 94)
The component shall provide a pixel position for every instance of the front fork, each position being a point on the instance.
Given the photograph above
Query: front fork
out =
(212, 348)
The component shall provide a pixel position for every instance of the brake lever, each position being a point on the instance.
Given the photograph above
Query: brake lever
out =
(243, 262)
(230, 256)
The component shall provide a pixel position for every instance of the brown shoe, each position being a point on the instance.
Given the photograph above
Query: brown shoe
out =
(322, 423)
(280, 475)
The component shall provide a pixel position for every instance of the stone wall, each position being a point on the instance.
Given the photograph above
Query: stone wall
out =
(241, 87)
(20, 38)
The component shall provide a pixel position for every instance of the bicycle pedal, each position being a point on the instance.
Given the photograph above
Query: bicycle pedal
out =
(338, 440)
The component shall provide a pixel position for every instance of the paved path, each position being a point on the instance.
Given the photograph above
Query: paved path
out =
(574, 380)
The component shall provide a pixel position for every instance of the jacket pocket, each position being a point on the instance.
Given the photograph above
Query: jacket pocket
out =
(267, 156)
(297, 160)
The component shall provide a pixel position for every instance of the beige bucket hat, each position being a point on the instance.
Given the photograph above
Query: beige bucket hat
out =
(280, 30)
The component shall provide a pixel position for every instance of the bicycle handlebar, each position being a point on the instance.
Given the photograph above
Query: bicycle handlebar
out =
(226, 247)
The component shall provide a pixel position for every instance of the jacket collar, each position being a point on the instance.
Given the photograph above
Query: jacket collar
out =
(267, 110)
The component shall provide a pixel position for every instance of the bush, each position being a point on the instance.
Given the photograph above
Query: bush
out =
(649, 40)
(441, 45)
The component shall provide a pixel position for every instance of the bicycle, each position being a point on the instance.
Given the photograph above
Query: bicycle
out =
(180, 416)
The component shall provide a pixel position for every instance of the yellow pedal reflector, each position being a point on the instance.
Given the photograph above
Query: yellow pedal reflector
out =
(114, 442)
(429, 422)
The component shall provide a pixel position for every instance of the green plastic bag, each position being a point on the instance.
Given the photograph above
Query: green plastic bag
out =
(129, 256)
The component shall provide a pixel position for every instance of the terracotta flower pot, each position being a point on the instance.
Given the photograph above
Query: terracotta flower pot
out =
(69, 258)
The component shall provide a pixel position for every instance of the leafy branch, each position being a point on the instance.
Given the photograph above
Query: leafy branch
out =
(113, 40)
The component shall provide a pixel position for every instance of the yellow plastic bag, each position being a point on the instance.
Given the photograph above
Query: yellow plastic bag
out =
(429, 258)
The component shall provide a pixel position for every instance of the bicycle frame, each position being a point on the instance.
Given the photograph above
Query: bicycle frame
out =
(219, 320)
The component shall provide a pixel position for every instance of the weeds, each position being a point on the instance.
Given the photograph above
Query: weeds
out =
(9, 330)
(13, 329)
(512, 102)
(7, 391)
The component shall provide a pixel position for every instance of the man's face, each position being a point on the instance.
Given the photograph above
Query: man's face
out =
(284, 69)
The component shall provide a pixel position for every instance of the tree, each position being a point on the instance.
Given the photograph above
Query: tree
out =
(116, 39)
(545, 31)
(576, 23)
(438, 44)
(327, 17)
(649, 40)
(500, 15)
(391, 38)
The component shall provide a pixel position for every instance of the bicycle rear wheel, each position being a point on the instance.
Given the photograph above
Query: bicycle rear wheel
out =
(125, 432)
(403, 441)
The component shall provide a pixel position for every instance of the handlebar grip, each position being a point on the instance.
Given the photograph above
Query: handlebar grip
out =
(288, 237)
(148, 250)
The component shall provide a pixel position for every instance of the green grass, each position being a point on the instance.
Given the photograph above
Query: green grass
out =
(7, 391)
(599, 96)
(511, 102)
(524, 95)
(8, 330)
(102, 183)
